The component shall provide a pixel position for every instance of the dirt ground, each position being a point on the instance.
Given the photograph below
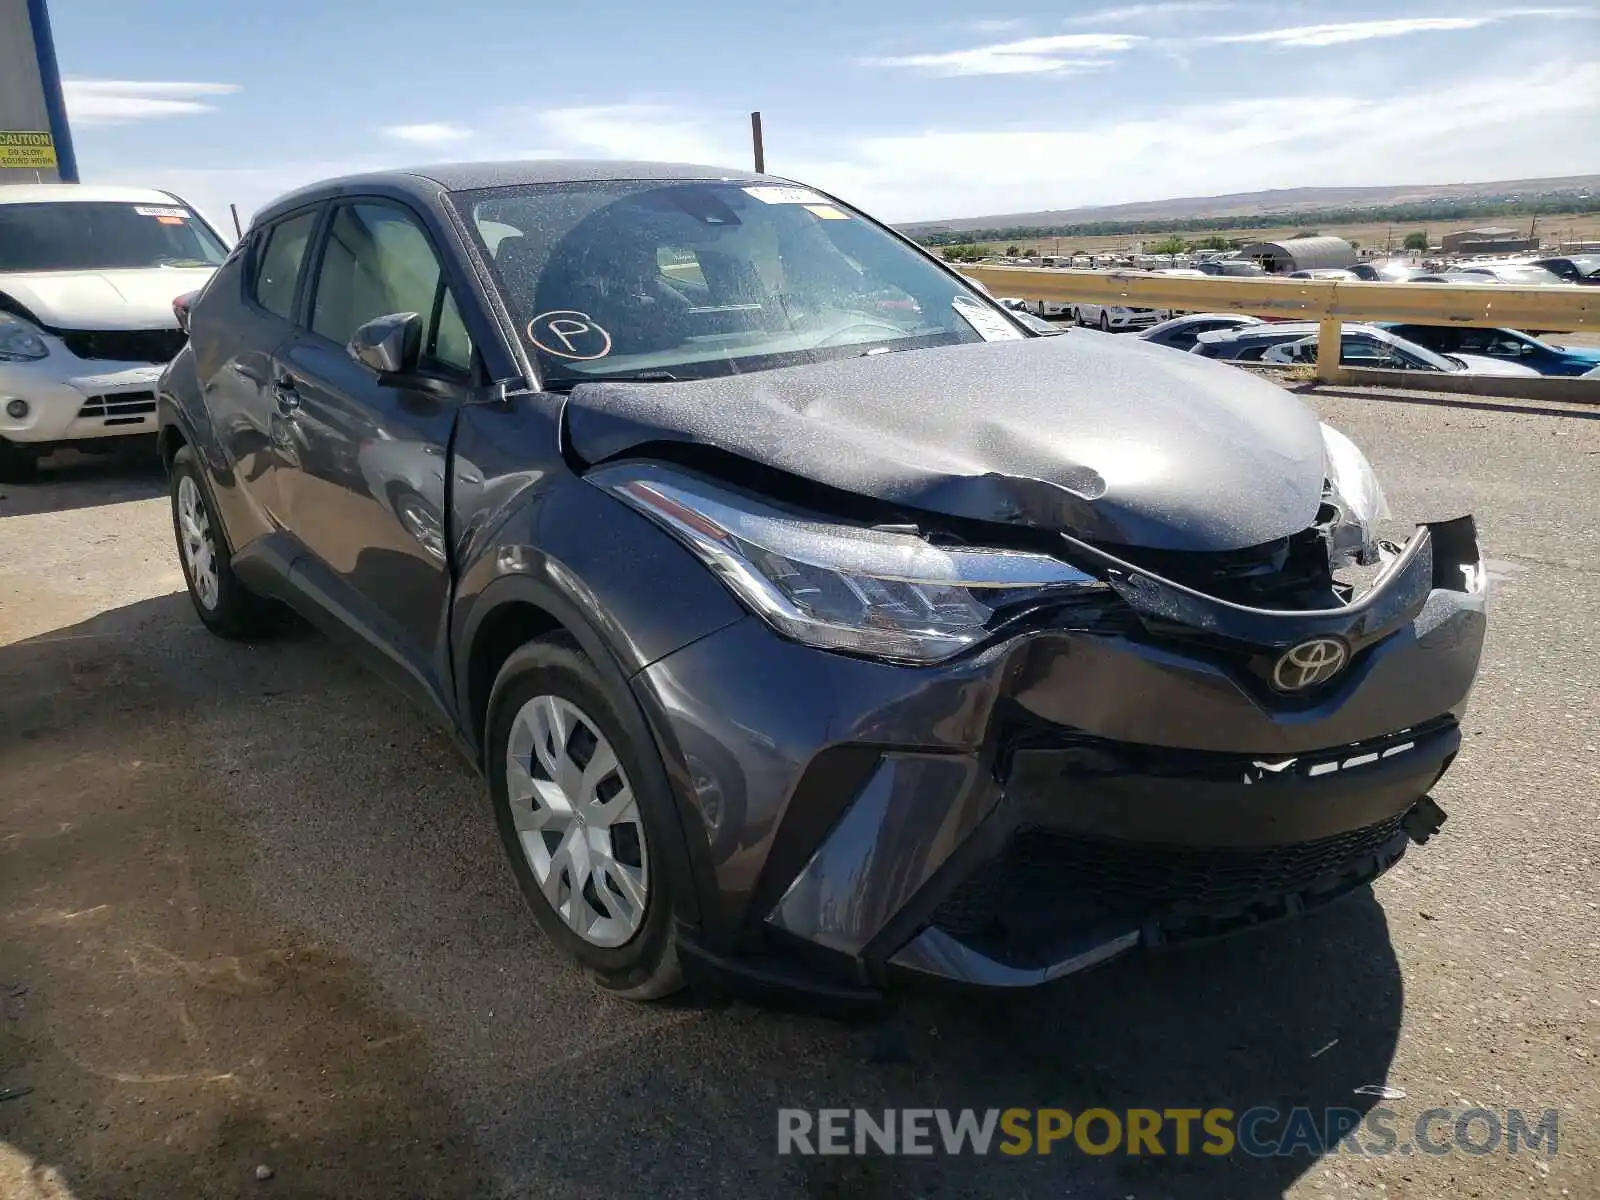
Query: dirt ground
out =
(255, 915)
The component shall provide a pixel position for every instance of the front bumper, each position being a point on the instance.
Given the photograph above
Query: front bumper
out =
(1136, 318)
(71, 399)
(1085, 787)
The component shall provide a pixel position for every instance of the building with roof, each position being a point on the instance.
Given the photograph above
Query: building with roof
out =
(1300, 254)
(1493, 240)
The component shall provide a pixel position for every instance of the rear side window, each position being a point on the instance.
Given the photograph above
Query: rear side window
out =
(283, 249)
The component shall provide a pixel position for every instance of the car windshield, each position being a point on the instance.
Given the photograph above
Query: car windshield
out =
(94, 236)
(1410, 353)
(675, 279)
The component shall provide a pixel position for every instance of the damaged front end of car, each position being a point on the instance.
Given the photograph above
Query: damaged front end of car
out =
(964, 735)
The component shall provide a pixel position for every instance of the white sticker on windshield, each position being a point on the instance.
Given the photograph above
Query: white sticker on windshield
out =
(145, 210)
(784, 195)
(990, 325)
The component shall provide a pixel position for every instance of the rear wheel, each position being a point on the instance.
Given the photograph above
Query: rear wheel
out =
(583, 808)
(221, 601)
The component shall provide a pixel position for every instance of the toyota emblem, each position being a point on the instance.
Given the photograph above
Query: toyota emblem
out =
(1309, 664)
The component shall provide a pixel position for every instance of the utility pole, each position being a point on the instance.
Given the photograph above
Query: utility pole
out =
(755, 141)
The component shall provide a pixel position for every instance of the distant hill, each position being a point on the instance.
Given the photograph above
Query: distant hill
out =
(1285, 201)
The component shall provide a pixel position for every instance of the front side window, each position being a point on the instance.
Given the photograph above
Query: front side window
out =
(277, 269)
(377, 262)
(682, 279)
(102, 236)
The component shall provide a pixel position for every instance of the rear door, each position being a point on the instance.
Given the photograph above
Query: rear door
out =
(237, 346)
(369, 491)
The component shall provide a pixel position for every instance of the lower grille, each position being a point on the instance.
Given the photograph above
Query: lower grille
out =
(121, 408)
(1048, 889)
(124, 345)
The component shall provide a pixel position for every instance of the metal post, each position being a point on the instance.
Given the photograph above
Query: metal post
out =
(1330, 332)
(755, 139)
(238, 230)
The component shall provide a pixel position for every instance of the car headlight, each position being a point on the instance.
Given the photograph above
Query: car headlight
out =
(872, 591)
(19, 341)
(1355, 492)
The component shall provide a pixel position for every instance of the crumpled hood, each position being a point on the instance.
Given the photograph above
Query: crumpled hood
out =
(127, 299)
(1111, 440)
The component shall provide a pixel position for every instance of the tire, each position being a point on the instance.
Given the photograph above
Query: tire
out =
(1077, 317)
(1105, 322)
(17, 465)
(223, 604)
(630, 949)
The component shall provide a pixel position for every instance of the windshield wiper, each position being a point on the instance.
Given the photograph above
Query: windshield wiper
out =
(639, 377)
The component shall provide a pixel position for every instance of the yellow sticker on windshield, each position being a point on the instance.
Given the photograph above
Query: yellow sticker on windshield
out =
(827, 212)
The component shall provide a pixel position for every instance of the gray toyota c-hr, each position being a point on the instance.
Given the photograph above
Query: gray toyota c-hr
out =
(812, 621)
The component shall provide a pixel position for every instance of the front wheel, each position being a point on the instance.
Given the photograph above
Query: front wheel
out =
(1105, 322)
(585, 814)
(220, 600)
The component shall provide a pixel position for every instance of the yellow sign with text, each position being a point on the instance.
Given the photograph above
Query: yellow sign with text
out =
(29, 151)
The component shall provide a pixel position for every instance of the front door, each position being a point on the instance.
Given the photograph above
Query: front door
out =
(370, 491)
(242, 370)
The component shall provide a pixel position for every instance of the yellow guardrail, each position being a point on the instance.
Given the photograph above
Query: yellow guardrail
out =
(1328, 301)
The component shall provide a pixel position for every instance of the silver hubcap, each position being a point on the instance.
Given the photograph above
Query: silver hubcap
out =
(199, 549)
(577, 820)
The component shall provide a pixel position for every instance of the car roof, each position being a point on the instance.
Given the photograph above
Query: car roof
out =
(82, 193)
(469, 176)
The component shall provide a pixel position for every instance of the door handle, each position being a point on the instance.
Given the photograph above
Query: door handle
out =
(283, 391)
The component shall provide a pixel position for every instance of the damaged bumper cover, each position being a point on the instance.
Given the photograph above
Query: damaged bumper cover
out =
(1092, 783)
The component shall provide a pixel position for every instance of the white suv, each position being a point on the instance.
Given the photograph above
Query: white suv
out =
(88, 277)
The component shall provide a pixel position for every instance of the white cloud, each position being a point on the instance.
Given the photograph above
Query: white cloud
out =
(1530, 118)
(1362, 31)
(994, 24)
(1143, 12)
(1065, 53)
(118, 101)
(639, 131)
(432, 133)
(1523, 123)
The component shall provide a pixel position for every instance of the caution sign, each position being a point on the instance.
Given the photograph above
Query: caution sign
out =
(30, 151)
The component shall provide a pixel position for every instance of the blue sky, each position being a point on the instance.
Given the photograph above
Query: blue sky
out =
(922, 109)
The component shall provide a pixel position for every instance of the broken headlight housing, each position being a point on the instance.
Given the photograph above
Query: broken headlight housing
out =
(884, 592)
(1356, 498)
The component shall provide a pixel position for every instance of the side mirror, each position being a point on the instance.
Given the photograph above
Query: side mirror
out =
(181, 307)
(389, 345)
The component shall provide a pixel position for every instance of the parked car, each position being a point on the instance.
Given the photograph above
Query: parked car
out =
(1579, 268)
(1472, 279)
(1509, 345)
(800, 639)
(1241, 268)
(88, 277)
(1324, 273)
(1107, 317)
(1180, 332)
(1361, 346)
(1368, 346)
(1388, 272)
(1515, 274)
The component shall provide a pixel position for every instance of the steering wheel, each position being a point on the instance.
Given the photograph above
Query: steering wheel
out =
(833, 339)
